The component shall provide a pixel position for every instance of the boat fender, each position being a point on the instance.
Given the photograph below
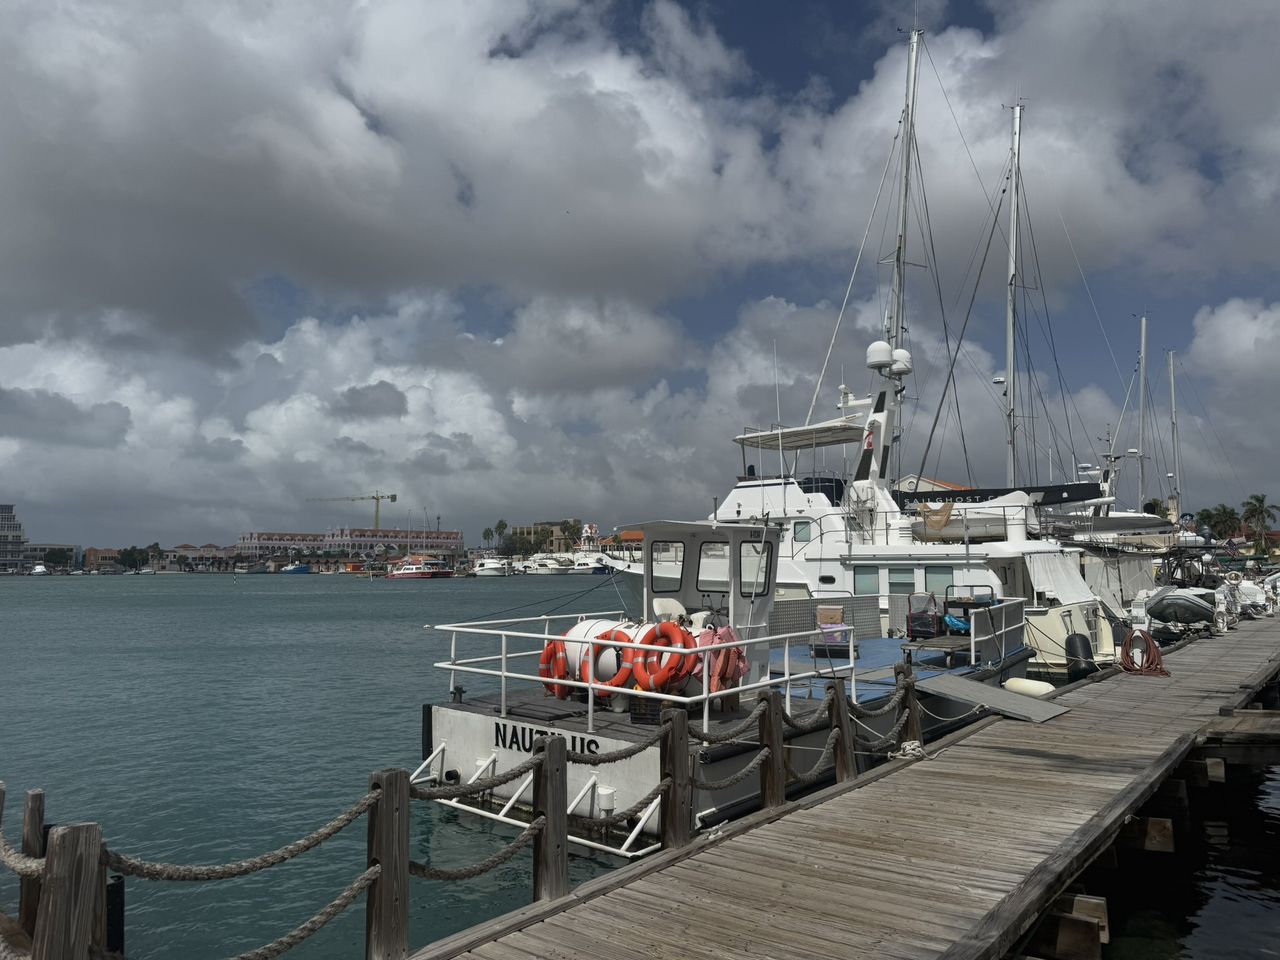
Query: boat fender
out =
(1028, 688)
(591, 661)
(554, 665)
(1080, 662)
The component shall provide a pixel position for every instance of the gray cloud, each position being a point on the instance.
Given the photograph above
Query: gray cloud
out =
(379, 399)
(45, 417)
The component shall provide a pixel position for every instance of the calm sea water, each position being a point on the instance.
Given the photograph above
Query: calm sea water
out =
(206, 718)
(201, 719)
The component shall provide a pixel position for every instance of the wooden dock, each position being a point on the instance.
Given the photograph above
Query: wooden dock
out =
(954, 856)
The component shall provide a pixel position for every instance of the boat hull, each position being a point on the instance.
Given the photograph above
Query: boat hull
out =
(421, 575)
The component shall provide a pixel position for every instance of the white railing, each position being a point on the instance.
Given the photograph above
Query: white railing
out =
(500, 665)
(1010, 610)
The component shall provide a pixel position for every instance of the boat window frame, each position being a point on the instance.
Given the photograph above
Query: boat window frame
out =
(679, 577)
(864, 567)
(796, 526)
(890, 583)
(755, 590)
(724, 586)
(935, 567)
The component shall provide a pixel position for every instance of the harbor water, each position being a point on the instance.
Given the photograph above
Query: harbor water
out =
(203, 719)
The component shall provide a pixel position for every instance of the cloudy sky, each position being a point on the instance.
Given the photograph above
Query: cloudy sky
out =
(533, 259)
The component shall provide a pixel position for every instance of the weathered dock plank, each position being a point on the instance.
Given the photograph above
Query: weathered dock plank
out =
(950, 857)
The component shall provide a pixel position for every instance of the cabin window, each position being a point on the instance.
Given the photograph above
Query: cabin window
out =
(826, 580)
(666, 570)
(713, 568)
(902, 580)
(937, 579)
(801, 531)
(866, 581)
(756, 559)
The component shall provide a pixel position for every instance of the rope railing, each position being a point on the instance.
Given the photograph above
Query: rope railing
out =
(890, 705)
(455, 791)
(427, 872)
(301, 932)
(817, 721)
(19, 863)
(889, 739)
(823, 761)
(761, 756)
(622, 753)
(133, 867)
(733, 733)
(8, 952)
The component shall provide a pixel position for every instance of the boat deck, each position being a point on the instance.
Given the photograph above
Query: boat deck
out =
(952, 856)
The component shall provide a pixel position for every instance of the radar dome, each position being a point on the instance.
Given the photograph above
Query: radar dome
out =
(879, 355)
(901, 362)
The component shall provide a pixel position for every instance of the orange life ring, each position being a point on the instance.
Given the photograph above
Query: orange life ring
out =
(591, 657)
(554, 665)
(655, 673)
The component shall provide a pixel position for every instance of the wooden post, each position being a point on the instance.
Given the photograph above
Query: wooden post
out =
(386, 929)
(846, 748)
(673, 758)
(551, 800)
(64, 925)
(773, 772)
(32, 846)
(910, 703)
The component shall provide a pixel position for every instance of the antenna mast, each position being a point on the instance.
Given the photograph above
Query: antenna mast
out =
(1010, 363)
(1177, 459)
(1142, 410)
(897, 297)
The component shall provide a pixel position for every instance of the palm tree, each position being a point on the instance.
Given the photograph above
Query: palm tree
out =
(1224, 521)
(487, 536)
(1258, 516)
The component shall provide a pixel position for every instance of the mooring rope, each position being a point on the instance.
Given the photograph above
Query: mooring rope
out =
(427, 872)
(638, 807)
(597, 759)
(303, 931)
(736, 778)
(819, 719)
(131, 866)
(899, 691)
(454, 791)
(726, 736)
(824, 759)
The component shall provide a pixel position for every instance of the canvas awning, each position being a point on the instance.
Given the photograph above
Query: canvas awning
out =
(1058, 574)
(829, 433)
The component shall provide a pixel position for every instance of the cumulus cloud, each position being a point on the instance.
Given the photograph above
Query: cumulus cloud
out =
(46, 417)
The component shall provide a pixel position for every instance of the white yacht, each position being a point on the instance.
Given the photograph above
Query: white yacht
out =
(844, 532)
(39, 570)
(492, 567)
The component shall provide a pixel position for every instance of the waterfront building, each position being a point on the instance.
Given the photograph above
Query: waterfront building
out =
(37, 553)
(352, 541)
(559, 542)
(102, 559)
(13, 541)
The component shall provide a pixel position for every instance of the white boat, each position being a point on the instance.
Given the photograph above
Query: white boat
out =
(845, 533)
(420, 568)
(568, 674)
(146, 572)
(492, 567)
(39, 570)
(591, 565)
(546, 566)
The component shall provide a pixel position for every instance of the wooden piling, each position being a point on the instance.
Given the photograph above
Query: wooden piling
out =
(387, 908)
(673, 757)
(846, 748)
(551, 800)
(64, 926)
(910, 703)
(32, 846)
(773, 772)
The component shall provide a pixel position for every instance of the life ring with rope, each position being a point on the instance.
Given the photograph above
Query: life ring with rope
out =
(591, 661)
(655, 672)
(554, 665)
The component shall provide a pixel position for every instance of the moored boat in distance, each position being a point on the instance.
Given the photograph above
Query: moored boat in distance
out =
(419, 568)
(39, 570)
(296, 567)
(256, 567)
(492, 567)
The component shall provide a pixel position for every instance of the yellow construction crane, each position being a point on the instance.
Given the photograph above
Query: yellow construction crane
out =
(377, 497)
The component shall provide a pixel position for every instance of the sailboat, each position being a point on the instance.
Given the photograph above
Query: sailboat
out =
(844, 534)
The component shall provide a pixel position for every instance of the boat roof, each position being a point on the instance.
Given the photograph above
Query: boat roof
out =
(667, 529)
(829, 433)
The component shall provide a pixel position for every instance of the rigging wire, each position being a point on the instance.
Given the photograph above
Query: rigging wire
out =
(849, 289)
(1217, 436)
(1096, 314)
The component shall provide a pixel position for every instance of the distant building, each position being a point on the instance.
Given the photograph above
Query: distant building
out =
(101, 558)
(352, 540)
(625, 544)
(558, 543)
(12, 541)
(36, 553)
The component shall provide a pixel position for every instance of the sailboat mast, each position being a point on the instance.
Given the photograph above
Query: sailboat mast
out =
(1142, 410)
(897, 298)
(1176, 506)
(1010, 364)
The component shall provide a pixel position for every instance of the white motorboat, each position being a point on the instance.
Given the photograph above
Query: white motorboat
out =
(546, 565)
(39, 570)
(492, 567)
